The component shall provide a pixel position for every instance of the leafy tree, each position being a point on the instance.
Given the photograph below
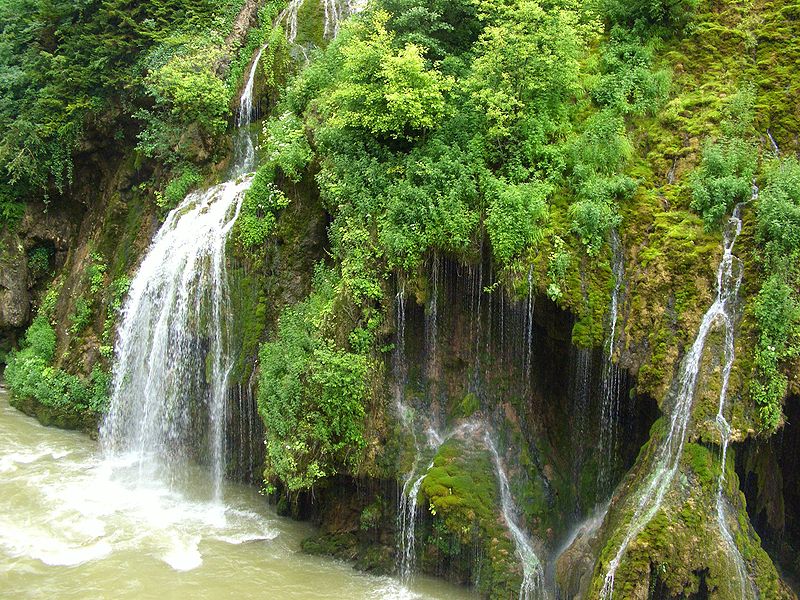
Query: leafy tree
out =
(392, 94)
(649, 16)
(525, 71)
(440, 27)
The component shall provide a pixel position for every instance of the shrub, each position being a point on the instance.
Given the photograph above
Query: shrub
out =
(385, 92)
(39, 259)
(725, 178)
(311, 395)
(286, 145)
(30, 374)
(649, 16)
(516, 218)
(261, 204)
(777, 307)
(178, 188)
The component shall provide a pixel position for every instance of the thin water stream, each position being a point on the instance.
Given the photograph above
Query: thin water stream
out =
(75, 525)
(668, 456)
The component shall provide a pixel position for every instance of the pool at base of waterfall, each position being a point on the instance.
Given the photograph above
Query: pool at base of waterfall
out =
(74, 525)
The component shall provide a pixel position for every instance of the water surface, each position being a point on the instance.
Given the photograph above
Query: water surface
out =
(74, 525)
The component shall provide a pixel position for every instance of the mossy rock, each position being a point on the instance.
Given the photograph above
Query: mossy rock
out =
(61, 417)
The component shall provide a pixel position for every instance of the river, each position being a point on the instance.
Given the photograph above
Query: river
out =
(72, 525)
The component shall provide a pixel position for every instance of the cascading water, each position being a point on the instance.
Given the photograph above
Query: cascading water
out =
(407, 517)
(175, 348)
(288, 18)
(173, 354)
(530, 305)
(581, 394)
(432, 318)
(668, 456)
(334, 13)
(407, 505)
(610, 395)
(733, 272)
(532, 587)
(244, 150)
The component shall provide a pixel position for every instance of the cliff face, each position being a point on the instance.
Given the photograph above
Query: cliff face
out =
(383, 322)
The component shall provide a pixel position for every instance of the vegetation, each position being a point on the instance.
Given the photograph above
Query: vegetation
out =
(311, 395)
(519, 133)
(777, 306)
(30, 371)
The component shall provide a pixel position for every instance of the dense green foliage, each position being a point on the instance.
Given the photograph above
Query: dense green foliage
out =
(311, 395)
(66, 63)
(777, 307)
(30, 374)
(430, 128)
(523, 133)
(261, 204)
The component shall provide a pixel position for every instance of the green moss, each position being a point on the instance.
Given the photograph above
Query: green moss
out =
(460, 491)
(701, 462)
(311, 24)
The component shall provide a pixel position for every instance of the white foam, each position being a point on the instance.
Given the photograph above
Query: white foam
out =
(394, 590)
(38, 544)
(184, 554)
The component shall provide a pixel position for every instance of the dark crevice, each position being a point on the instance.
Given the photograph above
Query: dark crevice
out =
(769, 475)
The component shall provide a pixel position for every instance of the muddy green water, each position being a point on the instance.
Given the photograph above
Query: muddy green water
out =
(75, 525)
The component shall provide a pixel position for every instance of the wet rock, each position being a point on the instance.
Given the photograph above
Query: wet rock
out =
(15, 298)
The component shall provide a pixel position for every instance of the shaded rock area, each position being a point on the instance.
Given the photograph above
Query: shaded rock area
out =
(768, 470)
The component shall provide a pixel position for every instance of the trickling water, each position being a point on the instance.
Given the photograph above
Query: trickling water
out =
(407, 505)
(531, 303)
(407, 512)
(174, 351)
(733, 272)
(288, 18)
(432, 318)
(334, 11)
(408, 518)
(667, 460)
(610, 395)
(244, 152)
(580, 394)
(532, 587)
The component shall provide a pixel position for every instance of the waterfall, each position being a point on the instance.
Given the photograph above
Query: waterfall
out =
(407, 518)
(532, 587)
(609, 412)
(288, 18)
(432, 318)
(334, 13)
(580, 393)
(668, 455)
(407, 505)
(174, 354)
(244, 151)
(731, 264)
(530, 305)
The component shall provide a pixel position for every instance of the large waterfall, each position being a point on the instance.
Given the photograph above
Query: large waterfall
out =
(668, 455)
(174, 354)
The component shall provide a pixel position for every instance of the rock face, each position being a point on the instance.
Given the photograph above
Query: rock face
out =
(15, 299)
(51, 228)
